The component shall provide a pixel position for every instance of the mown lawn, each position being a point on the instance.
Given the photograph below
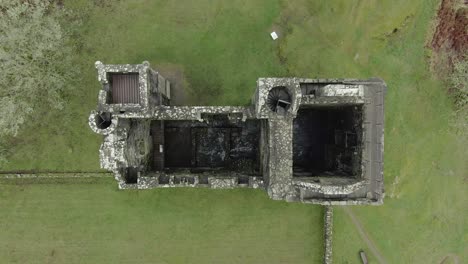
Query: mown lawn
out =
(222, 48)
(90, 221)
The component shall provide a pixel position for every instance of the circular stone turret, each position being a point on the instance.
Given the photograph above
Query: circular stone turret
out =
(279, 100)
(102, 122)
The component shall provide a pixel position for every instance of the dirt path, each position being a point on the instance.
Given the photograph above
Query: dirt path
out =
(364, 235)
(455, 258)
(179, 85)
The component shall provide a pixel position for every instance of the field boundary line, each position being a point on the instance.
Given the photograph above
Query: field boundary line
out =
(48, 172)
(364, 236)
(54, 175)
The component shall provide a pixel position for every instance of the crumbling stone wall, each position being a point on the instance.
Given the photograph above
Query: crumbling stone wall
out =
(328, 234)
(222, 183)
(139, 144)
(263, 88)
(127, 141)
(112, 150)
(264, 150)
(187, 179)
(189, 112)
(280, 158)
(94, 126)
(144, 91)
(337, 189)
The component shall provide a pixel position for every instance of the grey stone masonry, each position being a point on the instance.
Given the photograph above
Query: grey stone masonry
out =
(328, 234)
(264, 85)
(189, 112)
(374, 139)
(222, 183)
(103, 76)
(318, 141)
(280, 158)
(342, 189)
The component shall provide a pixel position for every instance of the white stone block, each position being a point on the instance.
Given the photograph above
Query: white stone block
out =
(273, 35)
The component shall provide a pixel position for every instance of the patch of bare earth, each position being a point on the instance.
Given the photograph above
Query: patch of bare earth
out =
(450, 40)
(450, 257)
(179, 85)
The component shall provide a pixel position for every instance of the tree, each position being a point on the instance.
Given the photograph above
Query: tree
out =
(36, 56)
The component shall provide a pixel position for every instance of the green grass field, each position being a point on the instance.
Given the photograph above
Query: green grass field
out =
(90, 221)
(222, 47)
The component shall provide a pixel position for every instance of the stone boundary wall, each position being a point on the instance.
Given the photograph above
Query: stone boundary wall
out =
(328, 233)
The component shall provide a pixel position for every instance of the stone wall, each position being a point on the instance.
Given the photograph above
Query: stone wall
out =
(144, 92)
(280, 158)
(337, 189)
(264, 85)
(328, 234)
(139, 144)
(264, 150)
(189, 112)
(94, 126)
(112, 150)
(344, 201)
(222, 183)
(373, 145)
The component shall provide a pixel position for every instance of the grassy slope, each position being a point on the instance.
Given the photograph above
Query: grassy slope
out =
(98, 224)
(223, 48)
(424, 220)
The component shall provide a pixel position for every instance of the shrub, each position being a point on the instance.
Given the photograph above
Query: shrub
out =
(458, 81)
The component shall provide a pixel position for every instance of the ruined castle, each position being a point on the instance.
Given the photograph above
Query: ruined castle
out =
(314, 141)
